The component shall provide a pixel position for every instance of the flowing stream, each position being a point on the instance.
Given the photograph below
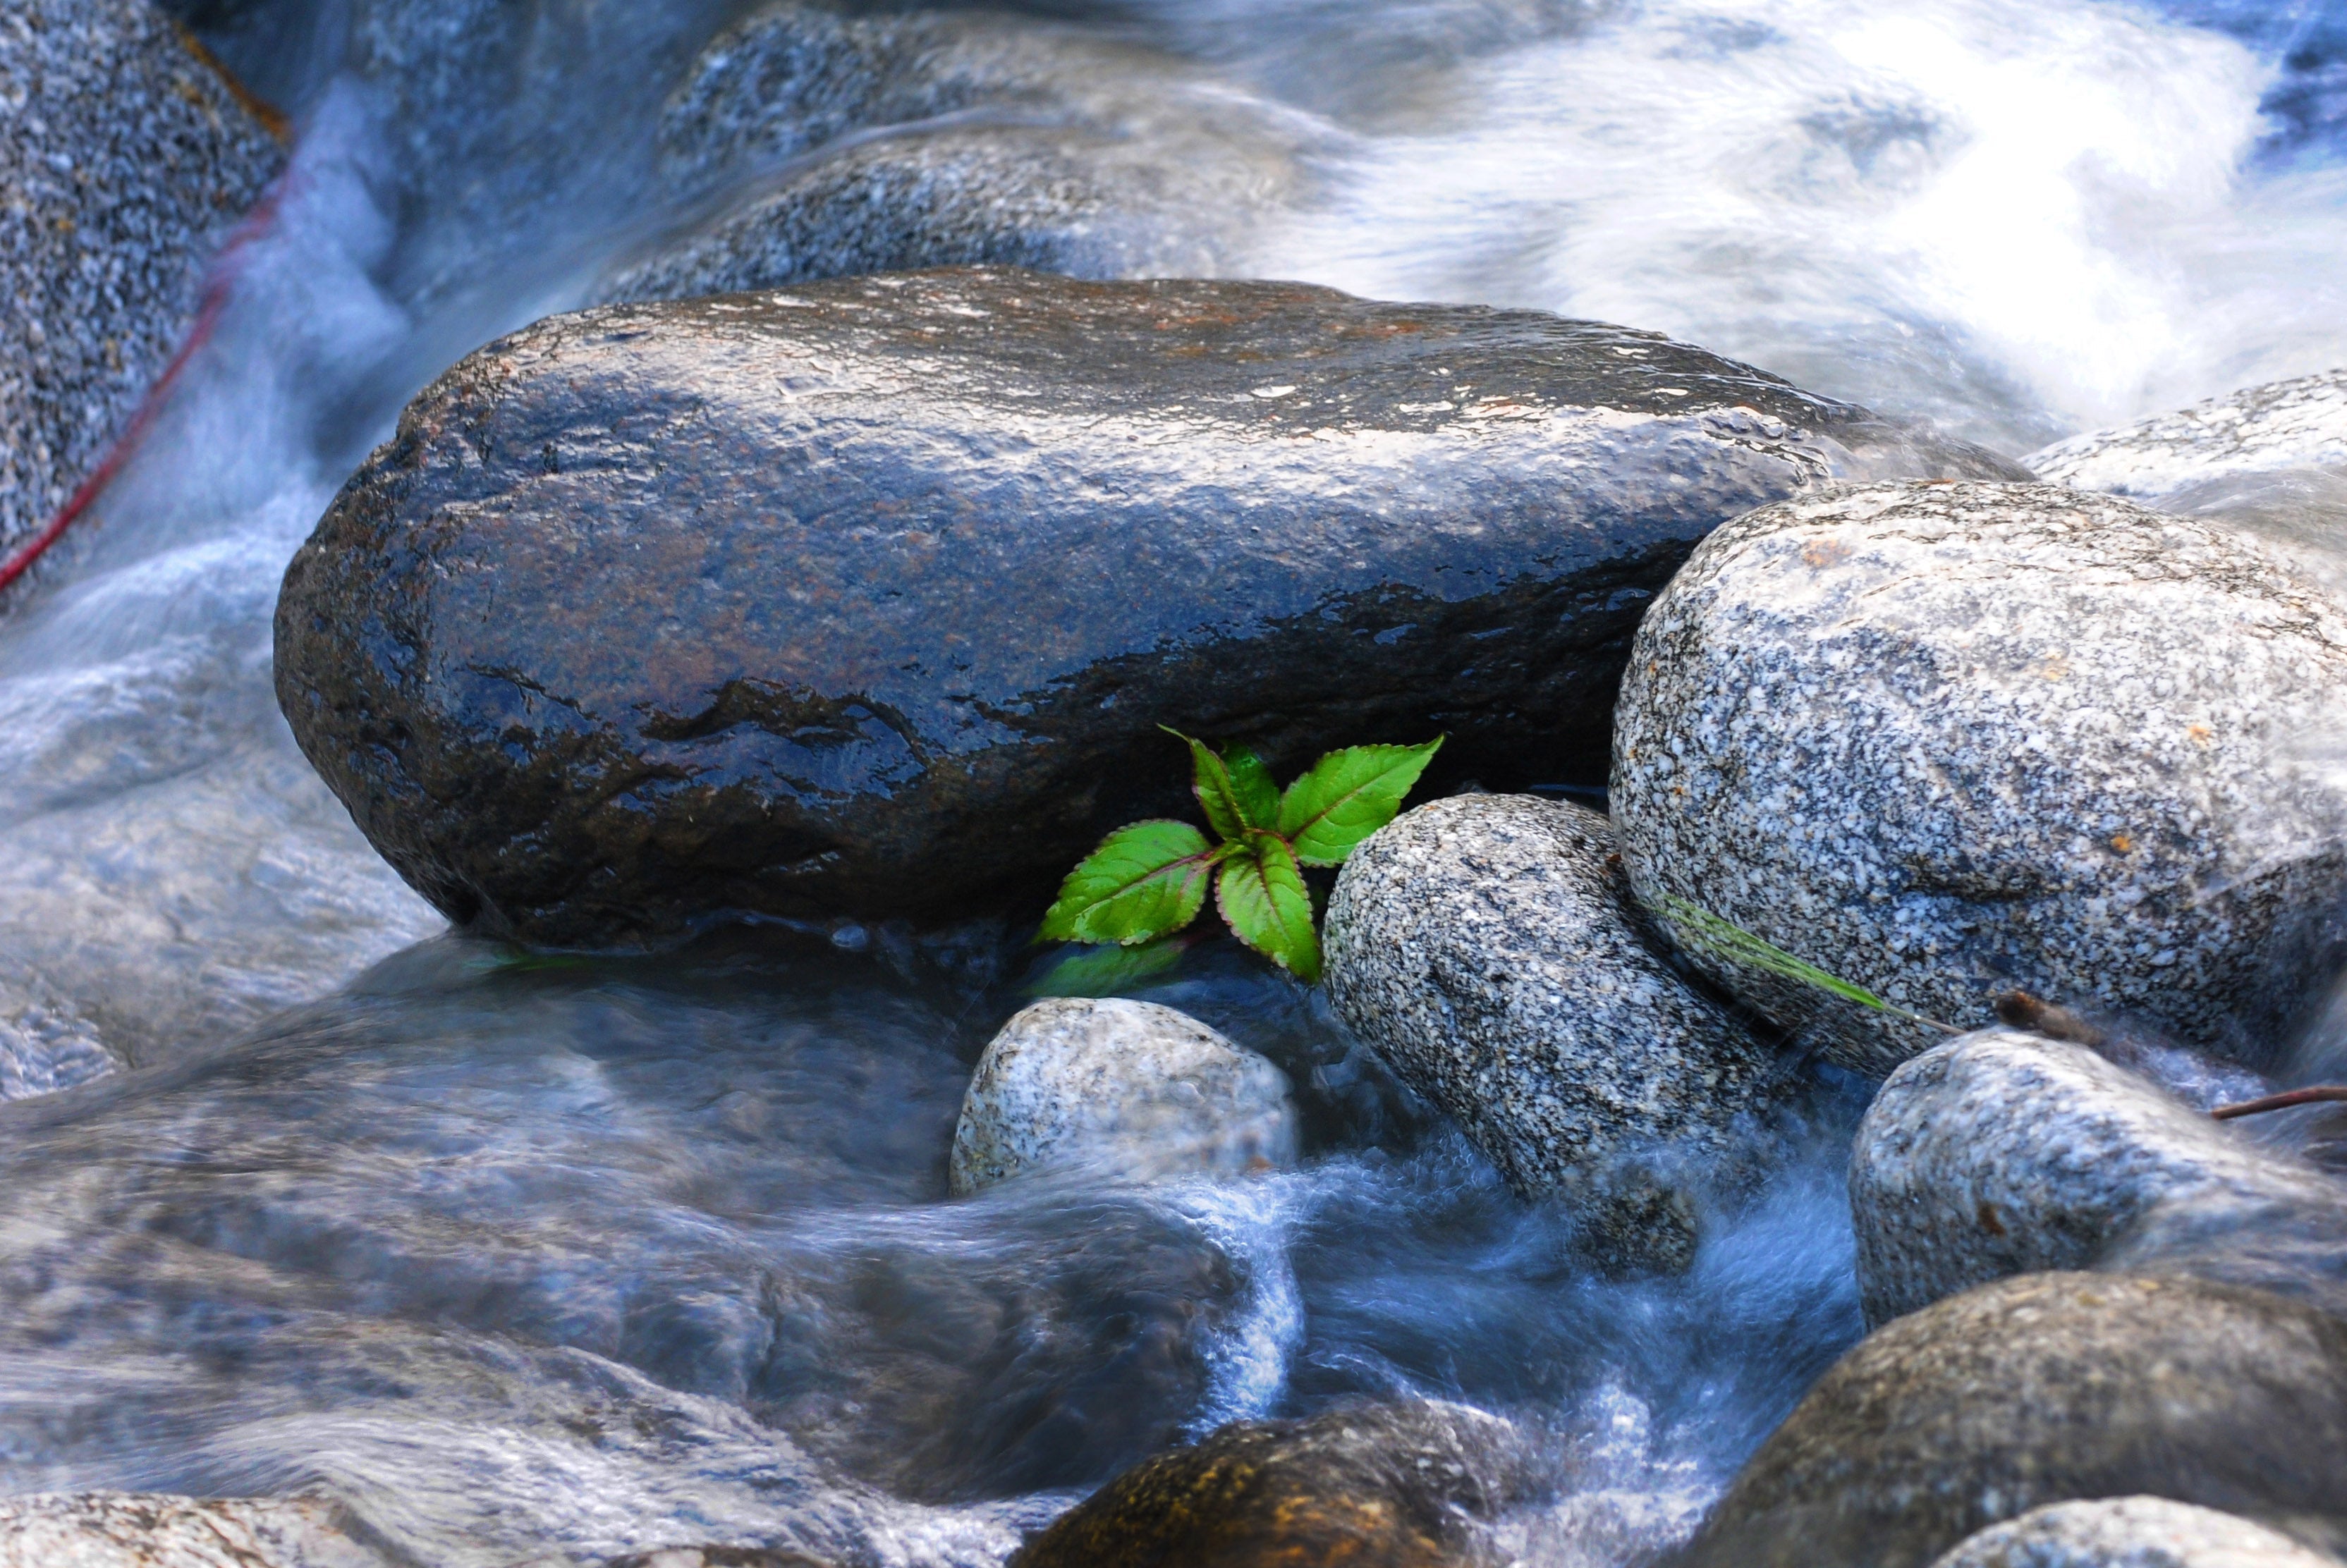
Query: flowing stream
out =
(550, 1259)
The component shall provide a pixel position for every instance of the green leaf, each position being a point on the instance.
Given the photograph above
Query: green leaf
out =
(1700, 930)
(1258, 797)
(1261, 894)
(1211, 782)
(1348, 795)
(1145, 879)
(1110, 972)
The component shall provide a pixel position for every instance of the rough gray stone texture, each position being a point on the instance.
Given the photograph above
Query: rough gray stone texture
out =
(878, 142)
(2131, 1532)
(2002, 1152)
(2041, 1390)
(140, 1530)
(1126, 1089)
(124, 162)
(1947, 740)
(869, 597)
(1483, 947)
(2285, 424)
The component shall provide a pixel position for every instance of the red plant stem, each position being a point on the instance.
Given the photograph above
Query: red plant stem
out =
(2314, 1096)
(218, 288)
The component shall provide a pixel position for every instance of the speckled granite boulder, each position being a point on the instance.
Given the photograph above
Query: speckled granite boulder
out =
(1400, 1486)
(124, 162)
(2041, 1390)
(869, 597)
(909, 139)
(1483, 948)
(1947, 740)
(735, 1557)
(139, 1530)
(2131, 1532)
(2002, 1152)
(2281, 426)
(1128, 1088)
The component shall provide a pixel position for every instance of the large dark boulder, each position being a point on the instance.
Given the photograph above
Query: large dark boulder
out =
(870, 596)
(2039, 1389)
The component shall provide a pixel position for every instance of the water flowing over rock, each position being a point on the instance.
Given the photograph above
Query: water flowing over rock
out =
(125, 160)
(1949, 740)
(2131, 1532)
(870, 597)
(1483, 947)
(2003, 1153)
(1399, 1486)
(2040, 1390)
(1129, 1090)
(842, 143)
(134, 1530)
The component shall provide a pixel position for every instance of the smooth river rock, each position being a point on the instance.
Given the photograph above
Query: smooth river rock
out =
(2041, 1390)
(892, 140)
(1397, 1486)
(1483, 946)
(870, 597)
(2282, 427)
(2131, 1532)
(142, 1530)
(2003, 1153)
(1945, 741)
(125, 161)
(1127, 1089)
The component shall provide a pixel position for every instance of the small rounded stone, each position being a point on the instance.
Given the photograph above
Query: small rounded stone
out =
(2131, 1532)
(1127, 1087)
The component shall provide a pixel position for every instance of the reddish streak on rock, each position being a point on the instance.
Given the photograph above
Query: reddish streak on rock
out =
(2314, 1096)
(218, 288)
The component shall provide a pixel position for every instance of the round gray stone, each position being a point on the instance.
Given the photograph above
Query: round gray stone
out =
(1126, 1088)
(2131, 1532)
(125, 161)
(141, 1530)
(1944, 740)
(2040, 1390)
(2284, 425)
(2003, 1153)
(1483, 948)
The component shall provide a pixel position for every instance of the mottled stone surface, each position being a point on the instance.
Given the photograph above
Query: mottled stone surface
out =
(2040, 1390)
(2131, 1532)
(1947, 740)
(871, 596)
(738, 1557)
(1128, 1088)
(139, 1530)
(2285, 424)
(1401, 1486)
(1482, 946)
(926, 139)
(2003, 1153)
(124, 162)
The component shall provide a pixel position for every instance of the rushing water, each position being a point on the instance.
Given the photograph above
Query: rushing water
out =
(555, 1260)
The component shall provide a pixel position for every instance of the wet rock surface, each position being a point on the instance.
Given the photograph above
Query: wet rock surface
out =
(137, 1530)
(2040, 1390)
(1945, 741)
(870, 596)
(846, 143)
(1128, 1089)
(2004, 1152)
(126, 162)
(1483, 946)
(1397, 1486)
(2131, 1532)
(2280, 428)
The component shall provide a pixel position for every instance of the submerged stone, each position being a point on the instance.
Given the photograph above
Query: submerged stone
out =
(1483, 946)
(125, 161)
(1400, 1486)
(1125, 1088)
(1948, 741)
(871, 596)
(2131, 1532)
(2040, 1390)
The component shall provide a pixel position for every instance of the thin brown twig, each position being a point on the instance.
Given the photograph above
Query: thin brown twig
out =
(2317, 1095)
